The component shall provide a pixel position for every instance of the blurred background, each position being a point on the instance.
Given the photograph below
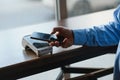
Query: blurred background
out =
(19, 13)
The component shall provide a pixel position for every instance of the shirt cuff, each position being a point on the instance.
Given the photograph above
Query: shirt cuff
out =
(79, 36)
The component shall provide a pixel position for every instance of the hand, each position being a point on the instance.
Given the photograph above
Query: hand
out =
(66, 33)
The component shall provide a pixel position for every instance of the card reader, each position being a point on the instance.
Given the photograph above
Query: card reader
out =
(38, 46)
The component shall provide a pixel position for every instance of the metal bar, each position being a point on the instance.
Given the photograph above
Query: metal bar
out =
(79, 69)
(60, 76)
(94, 75)
(66, 75)
(61, 10)
(102, 72)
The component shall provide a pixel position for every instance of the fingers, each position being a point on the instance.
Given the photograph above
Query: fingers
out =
(57, 29)
(56, 43)
(67, 35)
(64, 44)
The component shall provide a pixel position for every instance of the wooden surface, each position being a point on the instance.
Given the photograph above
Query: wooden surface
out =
(14, 58)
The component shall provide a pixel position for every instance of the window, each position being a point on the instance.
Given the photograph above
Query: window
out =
(80, 7)
(18, 13)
